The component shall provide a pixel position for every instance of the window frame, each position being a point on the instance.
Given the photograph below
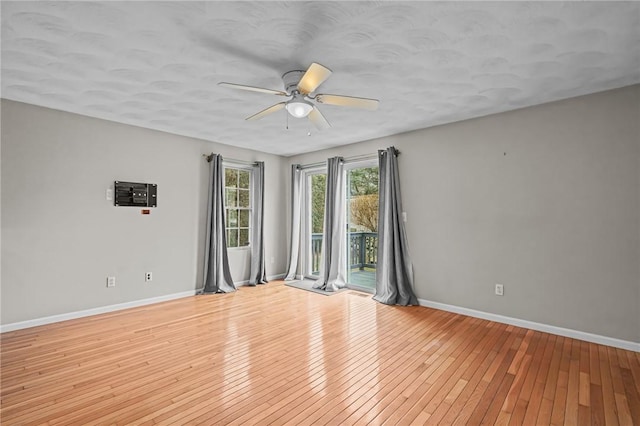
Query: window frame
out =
(245, 168)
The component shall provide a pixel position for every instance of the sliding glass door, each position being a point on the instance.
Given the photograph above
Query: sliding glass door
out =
(315, 186)
(362, 224)
(361, 217)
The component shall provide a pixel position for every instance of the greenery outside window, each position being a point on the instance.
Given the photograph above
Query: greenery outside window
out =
(237, 189)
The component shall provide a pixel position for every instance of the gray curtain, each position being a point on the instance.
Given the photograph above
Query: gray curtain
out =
(394, 272)
(257, 274)
(296, 209)
(217, 274)
(334, 238)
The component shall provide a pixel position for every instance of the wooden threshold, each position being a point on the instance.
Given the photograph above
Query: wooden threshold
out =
(277, 355)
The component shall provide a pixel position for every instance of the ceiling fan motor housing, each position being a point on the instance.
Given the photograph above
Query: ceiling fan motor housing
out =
(291, 80)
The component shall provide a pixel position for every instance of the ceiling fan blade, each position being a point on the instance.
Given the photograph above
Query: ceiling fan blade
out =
(314, 77)
(253, 89)
(267, 111)
(318, 119)
(350, 101)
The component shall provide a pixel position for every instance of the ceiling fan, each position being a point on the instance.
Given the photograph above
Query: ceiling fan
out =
(299, 85)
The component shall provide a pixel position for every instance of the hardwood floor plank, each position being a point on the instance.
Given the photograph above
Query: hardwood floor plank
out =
(573, 385)
(519, 412)
(634, 367)
(608, 396)
(520, 375)
(560, 398)
(624, 414)
(537, 390)
(632, 395)
(594, 364)
(597, 411)
(277, 355)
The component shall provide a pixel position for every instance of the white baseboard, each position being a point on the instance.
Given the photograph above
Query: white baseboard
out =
(566, 332)
(552, 329)
(276, 277)
(93, 311)
(269, 278)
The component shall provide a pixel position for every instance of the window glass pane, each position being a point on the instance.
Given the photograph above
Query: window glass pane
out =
(230, 177)
(232, 218)
(317, 188)
(362, 237)
(243, 198)
(243, 179)
(232, 238)
(244, 218)
(231, 197)
(244, 237)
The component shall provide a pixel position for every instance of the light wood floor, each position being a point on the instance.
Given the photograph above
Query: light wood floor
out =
(277, 355)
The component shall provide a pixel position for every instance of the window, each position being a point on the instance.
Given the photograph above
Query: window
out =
(237, 189)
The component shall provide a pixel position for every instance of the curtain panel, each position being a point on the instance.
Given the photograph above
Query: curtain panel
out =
(394, 274)
(334, 237)
(257, 274)
(217, 273)
(296, 210)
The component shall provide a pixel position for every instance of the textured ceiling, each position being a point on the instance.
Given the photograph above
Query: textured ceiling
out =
(156, 64)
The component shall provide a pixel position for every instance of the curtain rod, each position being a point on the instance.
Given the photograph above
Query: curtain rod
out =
(346, 160)
(209, 157)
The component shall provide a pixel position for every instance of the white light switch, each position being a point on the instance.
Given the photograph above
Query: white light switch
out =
(109, 194)
(404, 216)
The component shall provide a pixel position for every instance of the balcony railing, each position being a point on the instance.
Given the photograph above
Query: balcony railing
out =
(363, 250)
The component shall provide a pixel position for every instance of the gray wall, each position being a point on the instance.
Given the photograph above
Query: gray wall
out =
(544, 200)
(61, 238)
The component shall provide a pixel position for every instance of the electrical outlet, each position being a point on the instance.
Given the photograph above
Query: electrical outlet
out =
(148, 277)
(499, 290)
(111, 281)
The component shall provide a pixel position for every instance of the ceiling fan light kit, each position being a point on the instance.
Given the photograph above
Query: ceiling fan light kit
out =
(298, 107)
(299, 85)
